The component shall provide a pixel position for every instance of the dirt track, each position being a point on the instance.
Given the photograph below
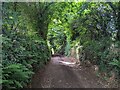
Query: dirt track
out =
(59, 75)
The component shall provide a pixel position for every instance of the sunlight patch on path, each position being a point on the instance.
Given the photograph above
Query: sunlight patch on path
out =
(64, 61)
(70, 64)
(67, 63)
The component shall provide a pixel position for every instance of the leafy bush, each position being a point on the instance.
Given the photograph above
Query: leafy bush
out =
(104, 53)
(98, 34)
(20, 61)
(23, 50)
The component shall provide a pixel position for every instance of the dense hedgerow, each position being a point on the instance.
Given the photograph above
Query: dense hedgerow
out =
(23, 50)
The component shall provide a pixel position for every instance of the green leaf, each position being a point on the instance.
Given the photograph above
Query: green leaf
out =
(18, 84)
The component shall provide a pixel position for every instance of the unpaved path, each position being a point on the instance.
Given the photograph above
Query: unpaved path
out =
(63, 73)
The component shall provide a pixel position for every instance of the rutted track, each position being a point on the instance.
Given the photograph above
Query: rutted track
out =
(58, 74)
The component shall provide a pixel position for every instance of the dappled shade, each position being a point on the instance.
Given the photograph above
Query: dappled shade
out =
(88, 32)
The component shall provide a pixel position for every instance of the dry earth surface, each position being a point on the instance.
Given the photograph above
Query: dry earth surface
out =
(63, 72)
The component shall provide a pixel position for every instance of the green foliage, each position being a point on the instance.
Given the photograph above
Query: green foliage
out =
(115, 63)
(23, 49)
(28, 27)
(97, 30)
(59, 32)
(93, 25)
(67, 49)
(15, 76)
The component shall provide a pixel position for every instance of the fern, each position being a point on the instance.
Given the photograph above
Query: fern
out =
(18, 84)
(15, 75)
